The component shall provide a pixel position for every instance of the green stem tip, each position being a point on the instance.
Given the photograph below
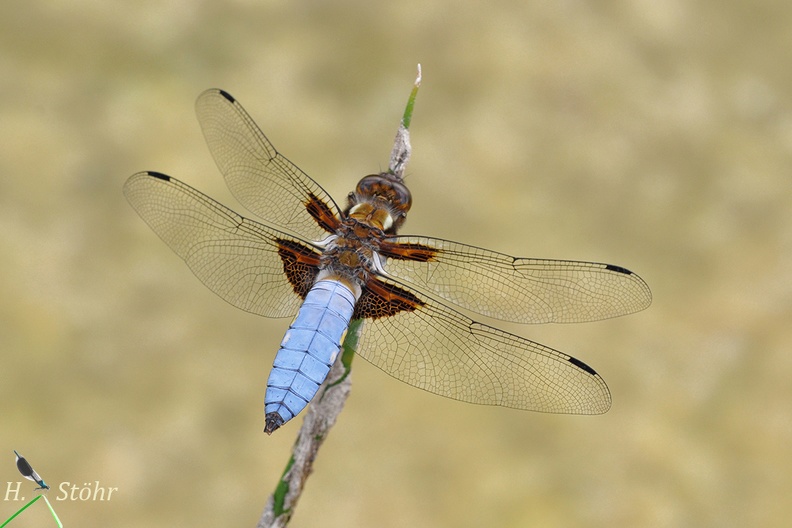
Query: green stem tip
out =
(411, 101)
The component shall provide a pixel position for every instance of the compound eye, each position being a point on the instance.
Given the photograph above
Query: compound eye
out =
(402, 198)
(370, 186)
(385, 187)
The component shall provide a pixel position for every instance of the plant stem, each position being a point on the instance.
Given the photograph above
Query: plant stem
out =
(320, 417)
(329, 400)
(400, 155)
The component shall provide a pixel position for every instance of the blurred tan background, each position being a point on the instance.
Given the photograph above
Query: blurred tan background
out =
(652, 135)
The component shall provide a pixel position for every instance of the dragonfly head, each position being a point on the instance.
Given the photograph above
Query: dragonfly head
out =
(386, 200)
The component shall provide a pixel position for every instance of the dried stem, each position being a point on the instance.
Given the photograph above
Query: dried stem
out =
(400, 155)
(330, 399)
(320, 417)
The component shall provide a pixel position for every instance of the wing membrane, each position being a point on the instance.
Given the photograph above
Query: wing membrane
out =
(521, 290)
(234, 257)
(439, 350)
(259, 177)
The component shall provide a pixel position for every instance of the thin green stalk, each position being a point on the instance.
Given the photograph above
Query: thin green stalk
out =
(348, 348)
(34, 499)
(23, 508)
(281, 490)
(54, 515)
(411, 101)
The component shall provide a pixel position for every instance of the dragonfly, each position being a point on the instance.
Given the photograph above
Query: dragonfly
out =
(326, 265)
(28, 472)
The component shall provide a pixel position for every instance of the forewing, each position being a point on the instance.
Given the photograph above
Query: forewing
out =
(259, 177)
(435, 348)
(521, 290)
(240, 260)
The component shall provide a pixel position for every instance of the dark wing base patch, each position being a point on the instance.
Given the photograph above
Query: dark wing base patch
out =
(300, 264)
(381, 299)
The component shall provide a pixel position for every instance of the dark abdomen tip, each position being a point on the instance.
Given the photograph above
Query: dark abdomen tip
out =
(272, 421)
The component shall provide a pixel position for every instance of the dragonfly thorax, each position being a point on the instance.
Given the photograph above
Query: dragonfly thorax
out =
(369, 213)
(350, 254)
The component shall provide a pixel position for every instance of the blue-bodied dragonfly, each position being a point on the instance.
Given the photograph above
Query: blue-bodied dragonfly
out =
(330, 265)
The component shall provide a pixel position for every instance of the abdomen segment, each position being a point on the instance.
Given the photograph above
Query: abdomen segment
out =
(307, 351)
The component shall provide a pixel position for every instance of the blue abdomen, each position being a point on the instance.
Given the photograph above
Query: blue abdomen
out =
(307, 351)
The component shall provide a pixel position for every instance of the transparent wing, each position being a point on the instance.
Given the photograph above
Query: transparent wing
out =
(234, 257)
(522, 290)
(439, 350)
(261, 179)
